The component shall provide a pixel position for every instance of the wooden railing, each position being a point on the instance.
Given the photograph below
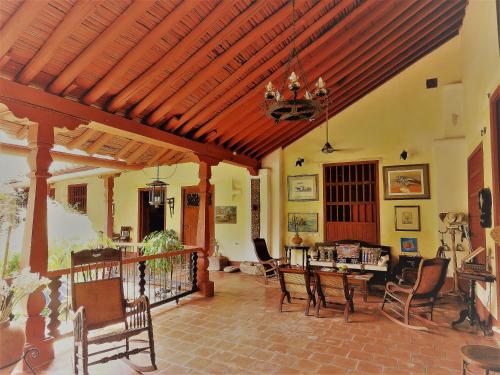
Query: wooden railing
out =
(163, 278)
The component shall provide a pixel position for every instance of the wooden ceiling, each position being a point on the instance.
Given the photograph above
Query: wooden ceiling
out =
(197, 69)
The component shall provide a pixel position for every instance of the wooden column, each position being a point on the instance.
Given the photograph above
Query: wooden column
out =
(109, 185)
(204, 220)
(35, 241)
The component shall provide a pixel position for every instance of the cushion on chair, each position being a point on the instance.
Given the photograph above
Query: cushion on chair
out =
(370, 255)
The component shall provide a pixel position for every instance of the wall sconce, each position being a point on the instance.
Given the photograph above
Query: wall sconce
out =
(171, 205)
(483, 131)
(299, 162)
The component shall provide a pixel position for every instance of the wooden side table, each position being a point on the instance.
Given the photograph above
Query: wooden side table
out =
(303, 248)
(485, 357)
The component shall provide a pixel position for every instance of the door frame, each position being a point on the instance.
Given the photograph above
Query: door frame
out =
(139, 213)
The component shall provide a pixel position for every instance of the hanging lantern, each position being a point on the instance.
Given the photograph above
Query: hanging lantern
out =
(157, 190)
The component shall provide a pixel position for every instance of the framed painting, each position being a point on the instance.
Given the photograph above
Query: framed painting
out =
(407, 182)
(303, 187)
(407, 218)
(409, 245)
(225, 214)
(308, 222)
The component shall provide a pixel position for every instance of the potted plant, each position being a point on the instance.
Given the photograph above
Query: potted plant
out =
(12, 292)
(297, 223)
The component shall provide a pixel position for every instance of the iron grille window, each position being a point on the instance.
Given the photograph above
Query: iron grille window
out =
(77, 197)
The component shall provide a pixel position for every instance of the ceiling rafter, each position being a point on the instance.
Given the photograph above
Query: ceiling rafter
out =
(281, 15)
(17, 24)
(344, 60)
(125, 149)
(411, 55)
(174, 54)
(80, 10)
(149, 41)
(223, 121)
(159, 154)
(136, 155)
(98, 46)
(155, 97)
(81, 140)
(99, 142)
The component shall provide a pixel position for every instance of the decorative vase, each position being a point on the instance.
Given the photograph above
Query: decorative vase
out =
(12, 339)
(297, 240)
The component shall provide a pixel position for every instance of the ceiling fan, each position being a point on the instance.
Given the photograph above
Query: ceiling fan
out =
(327, 148)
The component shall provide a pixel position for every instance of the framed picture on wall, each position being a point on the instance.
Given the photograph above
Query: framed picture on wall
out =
(409, 245)
(225, 214)
(303, 187)
(407, 182)
(309, 222)
(407, 218)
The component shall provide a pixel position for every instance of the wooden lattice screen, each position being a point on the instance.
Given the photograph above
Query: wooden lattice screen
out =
(351, 208)
(77, 197)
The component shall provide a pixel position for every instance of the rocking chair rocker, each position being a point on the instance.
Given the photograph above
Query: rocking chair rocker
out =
(97, 297)
(418, 299)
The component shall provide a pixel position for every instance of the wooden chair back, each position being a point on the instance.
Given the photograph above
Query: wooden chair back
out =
(431, 277)
(261, 250)
(332, 284)
(295, 281)
(96, 284)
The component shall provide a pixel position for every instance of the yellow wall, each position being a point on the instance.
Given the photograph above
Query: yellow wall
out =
(437, 126)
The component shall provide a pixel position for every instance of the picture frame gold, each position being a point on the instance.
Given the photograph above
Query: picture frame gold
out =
(407, 218)
(406, 182)
(303, 187)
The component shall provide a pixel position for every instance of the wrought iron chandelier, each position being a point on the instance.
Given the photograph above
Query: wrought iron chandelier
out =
(294, 109)
(157, 190)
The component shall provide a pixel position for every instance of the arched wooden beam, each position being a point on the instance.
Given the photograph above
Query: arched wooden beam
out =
(155, 97)
(173, 55)
(75, 16)
(217, 64)
(386, 73)
(98, 46)
(382, 42)
(136, 53)
(223, 121)
(18, 23)
(311, 21)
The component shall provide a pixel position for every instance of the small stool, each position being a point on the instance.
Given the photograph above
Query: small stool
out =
(482, 356)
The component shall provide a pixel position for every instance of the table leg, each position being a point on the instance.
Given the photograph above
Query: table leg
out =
(365, 291)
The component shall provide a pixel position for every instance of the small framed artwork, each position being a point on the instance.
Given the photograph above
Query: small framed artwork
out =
(308, 222)
(409, 245)
(225, 214)
(303, 187)
(407, 218)
(407, 182)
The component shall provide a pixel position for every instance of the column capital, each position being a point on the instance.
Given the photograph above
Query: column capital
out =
(205, 159)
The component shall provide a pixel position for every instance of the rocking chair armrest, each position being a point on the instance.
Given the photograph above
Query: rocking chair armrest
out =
(271, 262)
(392, 287)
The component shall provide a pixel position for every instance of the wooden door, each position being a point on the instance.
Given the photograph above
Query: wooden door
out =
(190, 209)
(475, 182)
(351, 203)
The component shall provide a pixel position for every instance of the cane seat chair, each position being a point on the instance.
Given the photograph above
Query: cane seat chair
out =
(296, 284)
(97, 297)
(269, 263)
(333, 288)
(416, 300)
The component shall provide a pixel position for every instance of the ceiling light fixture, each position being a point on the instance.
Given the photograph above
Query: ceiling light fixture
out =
(157, 190)
(294, 109)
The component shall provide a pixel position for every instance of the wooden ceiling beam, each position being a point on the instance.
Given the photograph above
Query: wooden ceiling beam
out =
(18, 22)
(24, 99)
(81, 140)
(346, 22)
(154, 160)
(75, 16)
(403, 60)
(124, 21)
(141, 150)
(343, 62)
(137, 53)
(166, 157)
(123, 151)
(91, 161)
(156, 96)
(207, 72)
(98, 143)
(174, 54)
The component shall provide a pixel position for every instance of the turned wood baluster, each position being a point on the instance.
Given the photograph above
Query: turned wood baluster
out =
(194, 270)
(54, 304)
(142, 277)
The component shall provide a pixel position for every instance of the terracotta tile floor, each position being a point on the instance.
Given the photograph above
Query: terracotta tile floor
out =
(240, 331)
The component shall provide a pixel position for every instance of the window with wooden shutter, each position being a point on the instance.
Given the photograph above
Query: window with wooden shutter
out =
(77, 197)
(351, 205)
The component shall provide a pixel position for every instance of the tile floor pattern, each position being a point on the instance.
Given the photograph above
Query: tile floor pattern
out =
(240, 331)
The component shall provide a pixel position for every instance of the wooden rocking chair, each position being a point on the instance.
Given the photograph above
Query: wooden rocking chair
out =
(270, 264)
(296, 283)
(97, 297)
(419, 299)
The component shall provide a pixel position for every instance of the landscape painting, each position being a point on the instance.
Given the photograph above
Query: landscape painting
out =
(225, 214)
